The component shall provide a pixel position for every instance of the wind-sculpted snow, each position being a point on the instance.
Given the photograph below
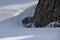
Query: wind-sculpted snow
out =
(13, 9)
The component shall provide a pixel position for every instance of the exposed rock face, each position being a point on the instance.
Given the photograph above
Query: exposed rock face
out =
(27, 22)
(46, 11)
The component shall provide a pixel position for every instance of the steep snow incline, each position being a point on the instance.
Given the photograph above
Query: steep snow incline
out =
(16, 20)
(11, 7)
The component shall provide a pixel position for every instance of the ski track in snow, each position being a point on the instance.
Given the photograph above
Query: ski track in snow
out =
(11, 14)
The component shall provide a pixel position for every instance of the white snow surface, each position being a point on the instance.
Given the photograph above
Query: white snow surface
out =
(11, 28)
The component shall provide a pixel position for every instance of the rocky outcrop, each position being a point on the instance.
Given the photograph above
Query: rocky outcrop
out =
(46, 11)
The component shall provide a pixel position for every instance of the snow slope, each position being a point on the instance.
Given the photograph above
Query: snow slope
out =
(11, 14)
(11, 7)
